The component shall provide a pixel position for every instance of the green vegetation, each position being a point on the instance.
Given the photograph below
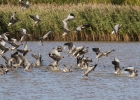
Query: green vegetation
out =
(101, 17)
(118, 2)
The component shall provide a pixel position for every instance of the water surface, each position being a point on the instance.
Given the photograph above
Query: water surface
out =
(42, 84)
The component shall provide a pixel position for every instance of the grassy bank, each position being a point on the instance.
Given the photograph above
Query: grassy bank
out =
(101, 17)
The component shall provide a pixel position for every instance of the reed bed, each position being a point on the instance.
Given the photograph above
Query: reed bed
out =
(101, 17)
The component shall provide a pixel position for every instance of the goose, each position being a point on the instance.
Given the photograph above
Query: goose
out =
(65, 29)
(100, 54)
(3, 69)
(25, 50)
(24, 5)
(67, 69)
(24, 34)
(17, 60)
(60, 48)
(89, 69)
(44, 37)
(84, 62)
(15, 46)
(132, 71)
(81, 52)
(4, 49)
(71, 16)
(36, 19)
(13, 20)
(4, 36)
(117, 68)
(116, 28)
(8, 62)
(78, 50)
(71, 47)
(81, 27)
(38, 59)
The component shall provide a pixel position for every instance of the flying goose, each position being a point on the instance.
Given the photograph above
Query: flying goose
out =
(81, 52)
(116, 28)
(71, 47)
(24, 34)
(65, 28)
(25, 50)
(78, 50)
(43, 38)
(71, 16)
(116, 64)
(132, 71)
(9, 62)
(36, 19)
(100, 54)
(24, 5)
(89, 69)
(15, 46)
(3, 69)
(4, 49)
(13, 20)
(81, 27)
(67, 69)
(38, 59)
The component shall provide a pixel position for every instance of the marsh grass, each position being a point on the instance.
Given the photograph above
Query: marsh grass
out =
(101, 17)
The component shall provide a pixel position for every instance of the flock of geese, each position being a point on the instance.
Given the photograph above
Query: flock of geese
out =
(18, 56)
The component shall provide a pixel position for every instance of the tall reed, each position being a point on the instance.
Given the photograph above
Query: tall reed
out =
(101, 17)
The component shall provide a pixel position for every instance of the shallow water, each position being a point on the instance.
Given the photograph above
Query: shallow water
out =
(41, 84)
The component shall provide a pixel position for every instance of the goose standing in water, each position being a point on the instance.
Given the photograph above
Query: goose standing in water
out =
(89, 69)
(117, 68)
(43, 38)
(36, 19)
(116, 28)
(132, 71)
(67, 69)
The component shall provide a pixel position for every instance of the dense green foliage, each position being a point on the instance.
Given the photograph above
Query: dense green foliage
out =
(118, 2)
(101, 17)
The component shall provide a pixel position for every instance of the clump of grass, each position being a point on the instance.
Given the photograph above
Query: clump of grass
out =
(101, 17)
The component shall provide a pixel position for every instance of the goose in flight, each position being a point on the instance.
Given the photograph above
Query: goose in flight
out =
(116, 28)
(13, 20)
(36, 19)
(89, 69)
(81, 27)
(66, 30)
(71, 47)
(71, 16)
(116, 64)
(100, 54)
(24, 5)
(24, 34)
(3, 69)
(132, 71)
(25, 50)
(38, 59)
(67, 69)
(44, 37)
